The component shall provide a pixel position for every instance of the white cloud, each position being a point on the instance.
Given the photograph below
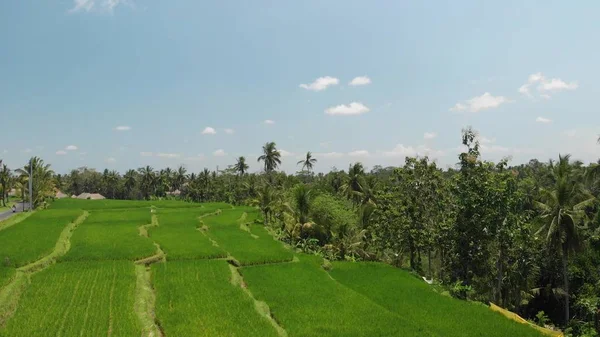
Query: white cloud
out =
(229, 131)
(27, 150)
(486, 149)
(209, 131)
(570, 133)
(321, 83)
(330, 155)
(543, 120)
(360, 80)
(110, 160)
(197, 158)
(146, 154)
(71, 148)
(325, 144)
(285, 153)
(168, 155)
(545, 86)
(5, 151)
(82, 153)
(409, 151)
(485, 140)
(354, 108)
(122, 128)
(96, 5)
(219, 153)
(269, 122)
(478, 103)
(359, 153)
(556, 84)
(61, 152)
(429, 135)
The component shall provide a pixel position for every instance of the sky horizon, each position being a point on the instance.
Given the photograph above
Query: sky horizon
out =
(122, 84)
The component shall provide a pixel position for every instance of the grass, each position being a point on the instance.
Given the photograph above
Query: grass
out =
(179, 237)
(13, 220)
(34, 237)
(404, 294)
(111, 235)
(247, 248)
(78, 299)
(307, 302)
(196, 298)
(68, 203)
(6, 274)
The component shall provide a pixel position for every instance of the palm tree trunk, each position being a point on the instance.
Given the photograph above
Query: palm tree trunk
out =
(499, 266)
(565, 261)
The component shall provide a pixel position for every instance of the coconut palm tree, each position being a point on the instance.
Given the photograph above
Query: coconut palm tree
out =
(147, 180)
(353, 187)
(130, 178)
(4, 181)
(562, 209)
(43, 182)
(240, 166)
(179, 178)
(271, 157)
(308, 162)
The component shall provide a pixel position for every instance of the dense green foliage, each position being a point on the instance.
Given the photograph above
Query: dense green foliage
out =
(78, 299)
(111, 235)
(196, 298)
(33, 237)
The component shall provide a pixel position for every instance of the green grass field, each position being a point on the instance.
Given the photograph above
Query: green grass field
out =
(6, 273)
(307, 302)
(78, 299)
(179, 237)
(111, 235)
(196, 298)
(34, 237)
(415, 300)
(247, 248)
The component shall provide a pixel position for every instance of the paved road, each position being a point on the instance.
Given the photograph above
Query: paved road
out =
(7, 214)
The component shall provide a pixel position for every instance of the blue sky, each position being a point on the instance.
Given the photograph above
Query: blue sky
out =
(369, 81)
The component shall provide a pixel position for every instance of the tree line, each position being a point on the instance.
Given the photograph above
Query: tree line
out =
(526, 237)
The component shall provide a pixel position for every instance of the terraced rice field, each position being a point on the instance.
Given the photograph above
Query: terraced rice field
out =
(78, 299)
(196, 298)
(414, 300)
(179, 236)
(111, 235)
(34, 237)
(247, 247)
(105, 284)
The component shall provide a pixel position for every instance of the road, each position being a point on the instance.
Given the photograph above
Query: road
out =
(7, 214)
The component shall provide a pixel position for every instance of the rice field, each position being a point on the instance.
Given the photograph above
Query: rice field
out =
(179, 237)
(307, 302)
(111, 235)
(6, 274)
(99, 287)
(70, 203)
(196, 298)
(34, 237)
(247, 247)
(78, 299)
(415, 300)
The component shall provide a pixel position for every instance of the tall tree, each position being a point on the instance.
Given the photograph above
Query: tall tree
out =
(562, 208)
(270, 157)
(147, 181)
(4, 182)
(43, 182)
(240, 166)
(308, 162)
(179, 178)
